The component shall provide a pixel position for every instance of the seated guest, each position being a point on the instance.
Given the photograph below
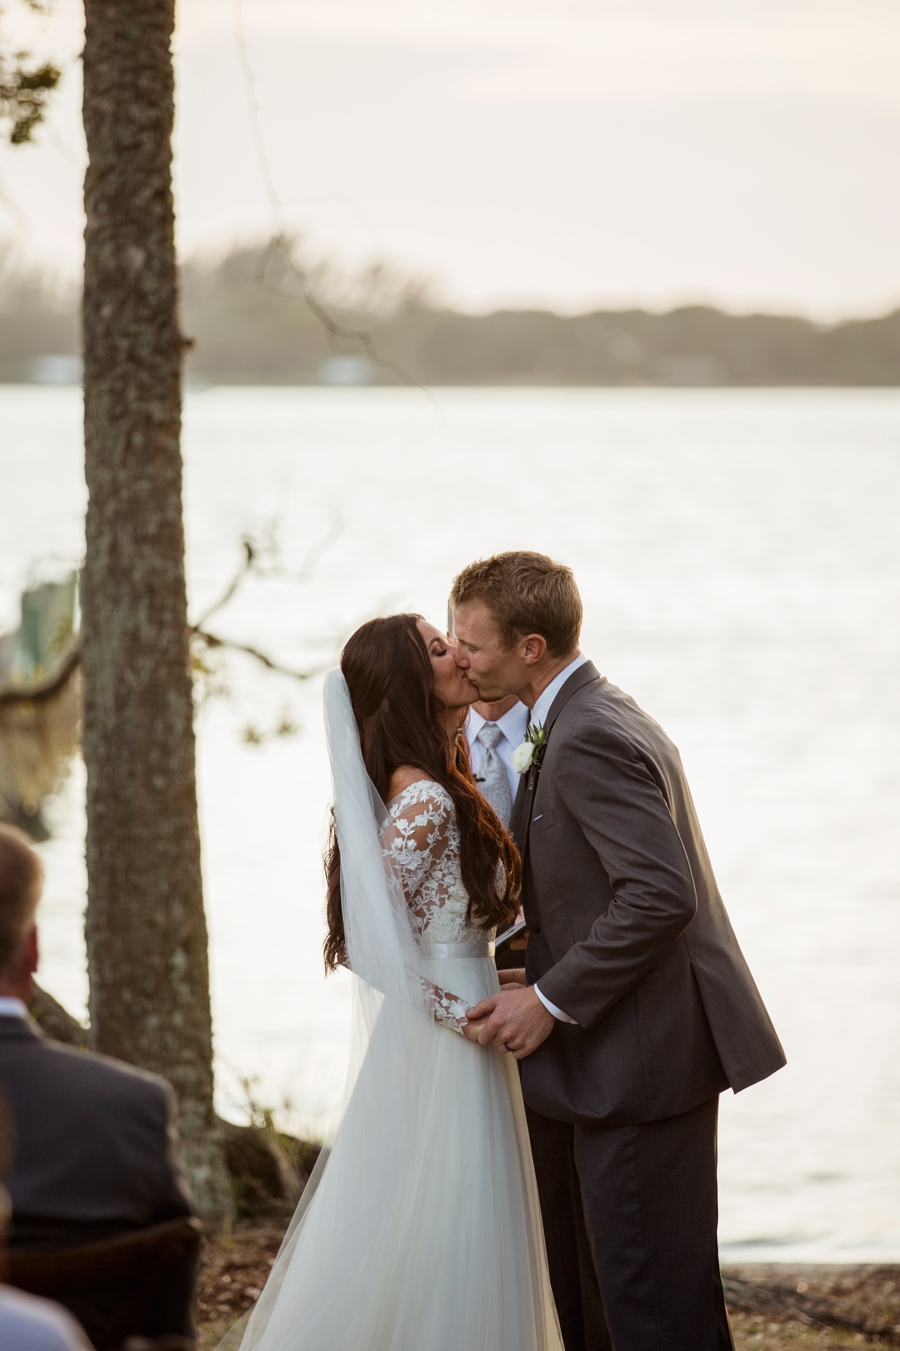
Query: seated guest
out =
(27, 1323)
(31, 1324)
(95, 1141)
(493, 732)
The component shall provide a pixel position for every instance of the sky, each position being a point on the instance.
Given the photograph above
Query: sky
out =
(571, 153)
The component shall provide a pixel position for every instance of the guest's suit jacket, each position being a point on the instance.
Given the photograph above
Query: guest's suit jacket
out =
(627, 930)
(95, 1143)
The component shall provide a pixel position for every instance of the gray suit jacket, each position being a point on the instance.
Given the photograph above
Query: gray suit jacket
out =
(627, 930)
(95, 1143)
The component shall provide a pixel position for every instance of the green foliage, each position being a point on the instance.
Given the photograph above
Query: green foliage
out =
(23, 96)
(538, 738)
(25, 89)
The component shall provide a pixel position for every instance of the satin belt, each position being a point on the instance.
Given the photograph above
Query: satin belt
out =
(429, 950)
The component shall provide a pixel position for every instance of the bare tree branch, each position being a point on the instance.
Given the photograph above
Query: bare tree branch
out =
(214, 641)
(245, 567)
(57, 680)
(45, 689)
(280, 240)
(317, 551)
(335, 330)
(250, 563)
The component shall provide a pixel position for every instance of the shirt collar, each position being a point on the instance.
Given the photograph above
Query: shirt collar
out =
(12, 1008)
(512, 724)
(544, 700)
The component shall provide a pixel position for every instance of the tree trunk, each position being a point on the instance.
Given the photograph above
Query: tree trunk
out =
(145, 927)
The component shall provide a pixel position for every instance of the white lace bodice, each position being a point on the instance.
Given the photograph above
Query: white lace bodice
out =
(424, 844)
(422, 841)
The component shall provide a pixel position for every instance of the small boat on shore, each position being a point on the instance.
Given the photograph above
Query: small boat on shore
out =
(40, 701)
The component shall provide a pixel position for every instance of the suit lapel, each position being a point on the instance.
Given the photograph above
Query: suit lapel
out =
(519, 814)
(524, 804)
(528, 806)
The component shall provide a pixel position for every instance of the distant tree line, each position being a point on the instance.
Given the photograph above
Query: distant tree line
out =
(250, 325)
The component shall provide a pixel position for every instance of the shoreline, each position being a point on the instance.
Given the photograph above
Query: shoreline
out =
(773, 1305)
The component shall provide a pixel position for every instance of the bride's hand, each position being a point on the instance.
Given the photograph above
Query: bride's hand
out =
(515, 976)
(471, 1030)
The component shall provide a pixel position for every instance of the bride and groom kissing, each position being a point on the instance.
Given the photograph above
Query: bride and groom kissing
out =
(524, 1162)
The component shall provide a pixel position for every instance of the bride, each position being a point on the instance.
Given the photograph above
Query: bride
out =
(419, 1229)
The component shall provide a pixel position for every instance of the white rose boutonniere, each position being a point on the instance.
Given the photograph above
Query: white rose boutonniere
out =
(522, 757)
(529, 755)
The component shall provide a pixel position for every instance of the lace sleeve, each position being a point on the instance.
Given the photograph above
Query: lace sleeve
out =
(448, 1009)
(416, 841)
(417, 838)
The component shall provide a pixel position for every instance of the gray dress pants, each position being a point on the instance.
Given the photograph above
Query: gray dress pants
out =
(642, 1200)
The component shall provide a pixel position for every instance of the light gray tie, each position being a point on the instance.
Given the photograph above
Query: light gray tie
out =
(495, 785)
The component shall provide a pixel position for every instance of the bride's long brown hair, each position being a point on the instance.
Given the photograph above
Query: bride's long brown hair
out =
(401, 722)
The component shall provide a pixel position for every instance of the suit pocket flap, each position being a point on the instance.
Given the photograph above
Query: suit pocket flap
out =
(542, 821)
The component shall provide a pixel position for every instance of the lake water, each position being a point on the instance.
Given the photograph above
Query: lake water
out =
(739, 558)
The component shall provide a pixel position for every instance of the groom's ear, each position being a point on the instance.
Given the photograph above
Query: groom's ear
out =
(533, 648)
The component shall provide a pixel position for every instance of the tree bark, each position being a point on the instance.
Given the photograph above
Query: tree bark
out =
(145, 928)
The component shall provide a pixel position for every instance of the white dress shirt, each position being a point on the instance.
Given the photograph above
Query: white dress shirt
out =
(542, 707)
(12, 1008)
(512, 725)
(544, 701)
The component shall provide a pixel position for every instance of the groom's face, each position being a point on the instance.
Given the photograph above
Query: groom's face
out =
(495, 670)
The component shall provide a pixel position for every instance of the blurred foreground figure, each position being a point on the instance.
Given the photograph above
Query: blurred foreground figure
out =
(31, 1324)
(26, 1323)
(101, 1218)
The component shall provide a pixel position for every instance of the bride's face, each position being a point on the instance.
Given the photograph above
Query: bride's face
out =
(451, 684)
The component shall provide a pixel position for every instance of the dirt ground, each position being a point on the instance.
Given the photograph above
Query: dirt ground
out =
(234, 1267)
(773, 1308)
(755, 1333)
(861, 1301)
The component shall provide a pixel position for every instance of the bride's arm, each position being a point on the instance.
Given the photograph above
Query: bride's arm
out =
(447, 1009)
(415, 841)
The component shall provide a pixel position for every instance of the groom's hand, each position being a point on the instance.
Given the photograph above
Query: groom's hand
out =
(514, 1020)
(511, 979)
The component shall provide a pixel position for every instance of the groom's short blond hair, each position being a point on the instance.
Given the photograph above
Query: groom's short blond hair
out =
(525, 593)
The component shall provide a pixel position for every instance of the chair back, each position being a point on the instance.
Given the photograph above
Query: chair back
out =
(139, 1284)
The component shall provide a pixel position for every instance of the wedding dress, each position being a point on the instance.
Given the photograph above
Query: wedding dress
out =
(420, 1228)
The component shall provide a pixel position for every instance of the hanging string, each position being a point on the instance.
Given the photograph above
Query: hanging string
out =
(280, 240)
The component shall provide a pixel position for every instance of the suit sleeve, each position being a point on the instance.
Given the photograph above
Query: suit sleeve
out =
(621, 809)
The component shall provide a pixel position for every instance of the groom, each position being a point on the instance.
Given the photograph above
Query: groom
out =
(636, 1009)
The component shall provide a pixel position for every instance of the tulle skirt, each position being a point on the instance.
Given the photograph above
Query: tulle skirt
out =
(447, 1255)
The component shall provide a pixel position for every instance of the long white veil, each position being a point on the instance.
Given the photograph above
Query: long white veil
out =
(366, 1171)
